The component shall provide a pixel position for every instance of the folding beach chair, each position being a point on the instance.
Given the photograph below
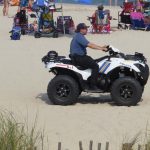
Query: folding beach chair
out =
(100, 25)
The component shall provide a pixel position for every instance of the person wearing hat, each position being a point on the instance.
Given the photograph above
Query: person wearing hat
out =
(79, 55)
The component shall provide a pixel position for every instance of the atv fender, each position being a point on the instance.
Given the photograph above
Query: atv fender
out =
(75, 75)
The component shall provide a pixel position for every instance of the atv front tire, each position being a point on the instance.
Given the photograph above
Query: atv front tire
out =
(126, 91)
(63, 90)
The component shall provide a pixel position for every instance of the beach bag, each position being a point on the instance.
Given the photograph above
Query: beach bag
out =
(15, 33)
(15, 2)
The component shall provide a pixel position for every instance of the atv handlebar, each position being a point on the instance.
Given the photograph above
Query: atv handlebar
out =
(111, 51)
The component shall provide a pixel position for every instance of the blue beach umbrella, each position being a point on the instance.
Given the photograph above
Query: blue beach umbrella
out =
(84, 1)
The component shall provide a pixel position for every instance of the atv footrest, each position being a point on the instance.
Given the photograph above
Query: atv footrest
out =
(93, 91)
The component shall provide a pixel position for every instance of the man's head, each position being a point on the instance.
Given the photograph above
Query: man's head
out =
(82, 28)
(100, 7)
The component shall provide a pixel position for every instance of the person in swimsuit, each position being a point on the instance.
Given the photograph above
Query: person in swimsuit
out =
(6, 8)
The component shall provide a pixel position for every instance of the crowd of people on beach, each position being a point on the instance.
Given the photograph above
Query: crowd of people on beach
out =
(100, 20)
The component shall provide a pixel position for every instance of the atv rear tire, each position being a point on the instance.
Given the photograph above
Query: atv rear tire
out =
(126, 91)
(63, 90)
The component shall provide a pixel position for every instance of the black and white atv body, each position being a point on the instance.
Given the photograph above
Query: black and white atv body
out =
(124, 76)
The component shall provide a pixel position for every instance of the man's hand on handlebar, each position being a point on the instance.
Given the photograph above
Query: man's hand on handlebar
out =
(97, 47)
(105, 48)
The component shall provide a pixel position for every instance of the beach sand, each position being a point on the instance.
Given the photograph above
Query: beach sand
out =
(24, 80)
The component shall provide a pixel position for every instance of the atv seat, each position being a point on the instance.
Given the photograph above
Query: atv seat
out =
(71, 62)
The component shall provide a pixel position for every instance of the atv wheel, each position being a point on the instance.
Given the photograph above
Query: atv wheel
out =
(37, 35)
(55, 35)
(126, 91)
(63, 90)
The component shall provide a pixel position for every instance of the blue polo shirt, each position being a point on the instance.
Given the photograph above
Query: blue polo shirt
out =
(78, 45)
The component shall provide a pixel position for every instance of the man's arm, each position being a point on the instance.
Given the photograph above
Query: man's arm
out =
(97, 47)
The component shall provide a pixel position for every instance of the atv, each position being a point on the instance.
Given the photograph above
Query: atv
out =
(123, 76)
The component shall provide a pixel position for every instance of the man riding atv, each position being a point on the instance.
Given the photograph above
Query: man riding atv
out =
(78, 53)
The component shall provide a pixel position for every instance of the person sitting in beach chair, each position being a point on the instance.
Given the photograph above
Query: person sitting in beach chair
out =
(128, 7)
(100, 20)
(124, 20)
(47, 20)
(139, 21)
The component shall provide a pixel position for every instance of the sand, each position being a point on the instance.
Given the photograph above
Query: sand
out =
(23, 85)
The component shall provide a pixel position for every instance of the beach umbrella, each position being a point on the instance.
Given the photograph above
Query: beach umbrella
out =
(83, 1)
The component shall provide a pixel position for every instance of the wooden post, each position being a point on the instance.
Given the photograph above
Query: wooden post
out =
(59, 146)
(127, 146)
(99, 146)
(80, 145)
(107, 145)
(139, 147)
(146, 147)
(91, 145)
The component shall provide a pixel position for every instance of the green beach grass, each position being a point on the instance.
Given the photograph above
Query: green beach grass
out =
(18, 136)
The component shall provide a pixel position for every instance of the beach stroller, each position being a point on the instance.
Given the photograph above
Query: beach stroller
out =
(65, 24)
(124, 19)
(46, 26)
(100, 24)
(21, 20)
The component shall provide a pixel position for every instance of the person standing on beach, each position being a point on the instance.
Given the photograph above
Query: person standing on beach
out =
(22, 4)
(6, 7)
(78, 53)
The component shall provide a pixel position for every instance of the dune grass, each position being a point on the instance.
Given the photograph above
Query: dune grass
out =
(132, 144)
(18, 136)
